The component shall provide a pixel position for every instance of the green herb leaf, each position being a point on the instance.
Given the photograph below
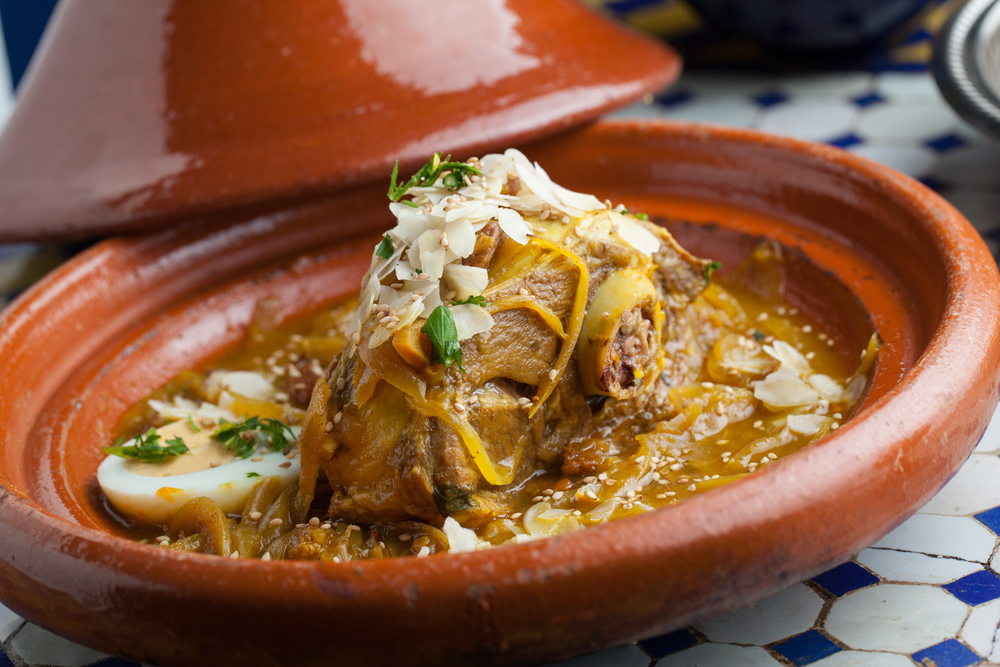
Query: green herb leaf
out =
(758, 335)
(409, 203)
(251, 475)
(429, 173)
(147, 448)
(642, 216)
(385, 248)
(473, 300)
(711, 268)
(244, 437)
(191, 424)
(440, 328)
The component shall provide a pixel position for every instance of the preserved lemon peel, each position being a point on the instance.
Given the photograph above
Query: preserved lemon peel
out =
(620, 293)
(516, 301)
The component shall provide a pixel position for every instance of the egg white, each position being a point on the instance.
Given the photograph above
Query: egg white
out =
(155, 500)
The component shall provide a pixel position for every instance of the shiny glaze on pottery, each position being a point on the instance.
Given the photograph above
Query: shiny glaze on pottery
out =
(117, 320)
(137, 113)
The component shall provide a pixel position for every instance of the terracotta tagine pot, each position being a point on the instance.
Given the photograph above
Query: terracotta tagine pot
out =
(869, 249)
(134, 114)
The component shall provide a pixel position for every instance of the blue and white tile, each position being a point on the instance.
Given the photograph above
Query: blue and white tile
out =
(627, 655)
(896, 617)
(980, 629)
(9, 623)
(36, 646)
(719, 655)
(915, 161)
(906, 122)
(972, 165)
(740, 113)
(725, 86)
(957, 537)
(901, 87)
(813, 120)
(915, 568)
(863, 659)
(973, 489)
(834, 84)
(777, 617)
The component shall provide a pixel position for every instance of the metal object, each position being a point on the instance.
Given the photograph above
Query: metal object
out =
(966, 64)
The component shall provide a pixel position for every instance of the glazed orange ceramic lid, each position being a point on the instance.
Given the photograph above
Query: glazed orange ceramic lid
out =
(135, 114)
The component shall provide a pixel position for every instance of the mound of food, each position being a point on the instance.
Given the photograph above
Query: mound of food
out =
(522, 361)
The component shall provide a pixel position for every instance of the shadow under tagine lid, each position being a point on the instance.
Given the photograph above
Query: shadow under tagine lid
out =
(137, 113)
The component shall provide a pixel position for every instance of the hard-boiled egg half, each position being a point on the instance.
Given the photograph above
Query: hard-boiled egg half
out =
(152, 492)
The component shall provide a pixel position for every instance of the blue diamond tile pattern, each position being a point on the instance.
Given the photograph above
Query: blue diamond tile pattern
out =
(949, 653)
(991, 519)
(945, 143)
(846, 141)
(806, 648)
(673, 98)
(868, 100)
(770, 98)
(669, 643)
(845, 578)
(5, 661)
(976, 588)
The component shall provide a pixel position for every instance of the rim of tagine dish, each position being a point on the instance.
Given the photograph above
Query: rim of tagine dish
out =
(137, 114)
(127, 314)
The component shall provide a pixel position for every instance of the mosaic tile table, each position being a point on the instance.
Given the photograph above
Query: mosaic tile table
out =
(928, 593)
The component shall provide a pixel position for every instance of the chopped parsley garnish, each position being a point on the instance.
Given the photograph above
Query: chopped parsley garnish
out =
(473, 301)
(758, 335)
(440, 328)
(428, 175)
(147, 448)
(385, 248)
(251, 475)
(244, 437)
(191, 424)
(710, 269)
(642, 216)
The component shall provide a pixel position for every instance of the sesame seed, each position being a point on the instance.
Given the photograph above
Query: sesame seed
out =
(523, 291)
(663, 482)
(163, 538)
(577, 513)
(329, 427)
(274, 522)
(772, 456)
(822, 336)
(834, 426)
(337, 559)
(515, 515)
(762, 317)
(829, 342)
(405, 537)
(451, 295)
(396, 285)
(810, 355)
(235, 554)
(603, 476)
(692, 487)
(723, 442)
(610, 482)
(557, 495)
(726, 454)
(341, 383)
(337, 417)
(605, 315)
(547, 492)
(807, 329)
(590, 479)
(590, 494)
(356, 529)
(630, 494)
(837, 415)
(266, 556)
(661, 496)
(553, 374)
(255, 515)
(677, 466)
(758, 423)
(640, 459)
(707, 385)
(209, 421)
(356, 338)
(423, 276)
(325, 526)
(655, 476)
(281, 397)
(314, 521)
(285, 464)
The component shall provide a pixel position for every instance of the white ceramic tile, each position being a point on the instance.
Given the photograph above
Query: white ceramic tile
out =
(913, 161)
(907, 122)
(991, 438)
(971, 165)
(903, 87)
(915, 568)
(896, 617)
(960, 537)
(40, 647)
(782, 615)
(716, 112)
(863, 659)
(814, 120)
(628, 655)
(719, 655)
(840, 84)
(9, 623)
(974, 488)
(981, 209)
(980, 629)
